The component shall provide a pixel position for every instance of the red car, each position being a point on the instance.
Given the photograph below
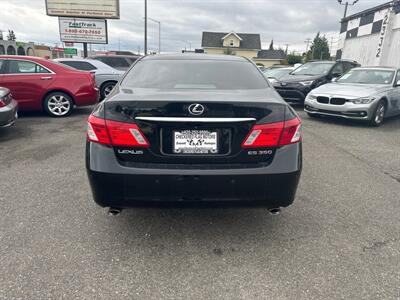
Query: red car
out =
(39, 84)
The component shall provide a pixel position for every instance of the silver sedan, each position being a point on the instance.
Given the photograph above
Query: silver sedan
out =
(106, 77)
(369, 93)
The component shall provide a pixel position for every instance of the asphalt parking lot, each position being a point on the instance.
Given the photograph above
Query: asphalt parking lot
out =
(340, 239)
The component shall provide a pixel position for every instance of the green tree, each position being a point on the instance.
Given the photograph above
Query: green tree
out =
(319, 49)
(292, 58)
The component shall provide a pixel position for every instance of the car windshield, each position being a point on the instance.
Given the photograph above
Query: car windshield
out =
(367, 76)
(276, 73)
(313, 69)
(195, 74)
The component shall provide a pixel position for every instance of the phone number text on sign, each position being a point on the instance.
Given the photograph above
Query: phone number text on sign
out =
(83, 31)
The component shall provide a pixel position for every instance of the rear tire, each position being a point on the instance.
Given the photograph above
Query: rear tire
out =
(58, 104)
(379, 114)
(106, 89)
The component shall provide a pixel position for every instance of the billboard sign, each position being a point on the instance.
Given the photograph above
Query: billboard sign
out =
(81, 30)
(102, 9)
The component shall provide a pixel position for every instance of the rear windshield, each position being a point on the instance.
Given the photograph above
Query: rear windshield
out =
(194, 74)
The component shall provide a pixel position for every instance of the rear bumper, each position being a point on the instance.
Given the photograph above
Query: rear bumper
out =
(114, 185)
(9, 114)
(87, 98)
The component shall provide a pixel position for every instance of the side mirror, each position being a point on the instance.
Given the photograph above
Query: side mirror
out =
(336, 75)
(397, 83)
(334, 79)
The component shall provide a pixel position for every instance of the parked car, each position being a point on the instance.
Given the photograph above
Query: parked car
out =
(206, 129)
(39, 84)
(295, 86)
(8, 108)
(275, 74)
(370, 94)
(106, 76)
(119, 62)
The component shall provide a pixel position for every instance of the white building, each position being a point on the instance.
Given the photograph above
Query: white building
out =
(372, 37)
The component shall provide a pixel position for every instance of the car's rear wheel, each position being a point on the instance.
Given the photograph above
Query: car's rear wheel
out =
(106, 89)
(379, 114)
(58, 104)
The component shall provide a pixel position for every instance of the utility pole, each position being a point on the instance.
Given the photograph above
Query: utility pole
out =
(346, 6)
(85, 52)
(159, 33)
(145, 27)
(307, 41)
(287, 48)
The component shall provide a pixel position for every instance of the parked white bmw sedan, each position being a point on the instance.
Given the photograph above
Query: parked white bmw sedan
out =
(106, 77)
(368, 93)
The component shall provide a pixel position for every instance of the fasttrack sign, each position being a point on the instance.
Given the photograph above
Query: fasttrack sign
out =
(81, 30)
(102, 9)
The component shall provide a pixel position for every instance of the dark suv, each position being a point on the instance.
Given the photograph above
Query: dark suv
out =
(119, 62)
(295, 86)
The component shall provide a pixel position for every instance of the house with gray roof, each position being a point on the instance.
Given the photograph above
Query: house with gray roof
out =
(241, 44)
(270, 57)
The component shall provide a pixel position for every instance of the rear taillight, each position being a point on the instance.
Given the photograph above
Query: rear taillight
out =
(126, 134)
(291, 132)
(2, 103)
(274, 134)
(115, 133)
(97, 131)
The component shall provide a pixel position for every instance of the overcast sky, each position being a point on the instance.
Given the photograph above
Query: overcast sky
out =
(286, 21)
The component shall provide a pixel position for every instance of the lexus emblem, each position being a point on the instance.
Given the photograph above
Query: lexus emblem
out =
(283, 83)
(196, 109)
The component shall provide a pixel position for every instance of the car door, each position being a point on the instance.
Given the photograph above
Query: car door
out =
(337, 70)
(27, 81)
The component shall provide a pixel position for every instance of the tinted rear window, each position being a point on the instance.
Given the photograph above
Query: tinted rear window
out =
(115, 62)
(79, 65)
(195, 74)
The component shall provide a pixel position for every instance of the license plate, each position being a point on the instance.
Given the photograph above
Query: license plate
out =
(195, 142)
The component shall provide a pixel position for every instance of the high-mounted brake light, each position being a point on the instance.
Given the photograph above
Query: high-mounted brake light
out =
(115, 133)
(274, 134)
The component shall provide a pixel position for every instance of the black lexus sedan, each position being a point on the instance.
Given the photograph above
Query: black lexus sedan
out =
(186, 129)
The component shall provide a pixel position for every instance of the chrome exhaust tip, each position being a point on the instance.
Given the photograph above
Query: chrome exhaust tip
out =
(274, 211)
(112, 211)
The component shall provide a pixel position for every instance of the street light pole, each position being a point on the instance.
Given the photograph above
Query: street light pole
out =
(159, 33)
(145, 27)
(346, 6)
